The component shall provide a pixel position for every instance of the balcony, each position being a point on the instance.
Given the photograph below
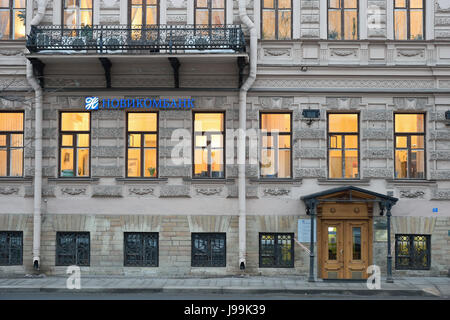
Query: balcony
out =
(148, 39)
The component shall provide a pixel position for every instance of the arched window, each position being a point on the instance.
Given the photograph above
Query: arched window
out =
(12, 19)
(409, 19)
(77, 13)
(209, 12)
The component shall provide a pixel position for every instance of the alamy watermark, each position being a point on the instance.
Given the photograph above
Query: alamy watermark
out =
(74, 280)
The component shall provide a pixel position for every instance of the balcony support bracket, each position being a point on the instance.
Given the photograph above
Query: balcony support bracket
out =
(241, 66)
(175, 63)
(106, 63)
(38, 70)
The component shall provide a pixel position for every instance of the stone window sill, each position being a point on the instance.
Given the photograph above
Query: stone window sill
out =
(16, 179)
(208, 181)
(141, 180)
(72, 179)
(277, 180)
(410, 182)
(365, 182)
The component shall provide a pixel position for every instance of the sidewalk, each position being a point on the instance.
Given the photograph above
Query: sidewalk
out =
(438, 287)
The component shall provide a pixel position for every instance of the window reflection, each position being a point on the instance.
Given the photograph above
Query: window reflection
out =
(409, 19)
(343, 20)
(12, 19)
(78, 13)
(332, 243)
(210, 12)
(11, 144)
(277, 19)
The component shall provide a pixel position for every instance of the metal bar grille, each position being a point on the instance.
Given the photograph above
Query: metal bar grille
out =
(141, 249)
(11, 248)
(276, 250)
(208, 250)
(72, 248)
(412, 252)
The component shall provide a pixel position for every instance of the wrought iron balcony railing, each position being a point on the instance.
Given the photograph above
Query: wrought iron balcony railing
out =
(137, 39)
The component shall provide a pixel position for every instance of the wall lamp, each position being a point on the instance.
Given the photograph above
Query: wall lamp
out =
(310, 115)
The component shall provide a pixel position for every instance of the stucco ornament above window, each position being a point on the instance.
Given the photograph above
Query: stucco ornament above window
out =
(444, 4)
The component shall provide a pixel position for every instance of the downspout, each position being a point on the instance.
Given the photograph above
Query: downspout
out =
(42, 4)
(242, 132)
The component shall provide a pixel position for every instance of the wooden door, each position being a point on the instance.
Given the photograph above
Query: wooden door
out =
(344, 249)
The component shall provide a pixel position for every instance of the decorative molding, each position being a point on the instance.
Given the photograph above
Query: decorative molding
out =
(140, 191)
(412, 194)
(74, 191)
(276, 191)
(342, 52)
(208, 191)
(9, 190)
(277, 52)
(11, 53)
(443, 5)
(411, 52)
(344, 83)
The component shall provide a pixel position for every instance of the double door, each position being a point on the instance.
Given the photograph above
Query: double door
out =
(344, 249)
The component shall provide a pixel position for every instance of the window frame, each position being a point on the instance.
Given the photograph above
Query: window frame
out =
(411, 255)
(275, 9)
(78, 12)
(143, 263)
(342, 10)
(208, 236)
(142, 148)
(144, 11)
(408, 20)
(210, 8)
(408, 147)
(277, 250)
(76, 234)
(268, 133)
(209, 149)
(8, 235)
(74, 145)
(343, 134)
(8, 145)
(11, 26)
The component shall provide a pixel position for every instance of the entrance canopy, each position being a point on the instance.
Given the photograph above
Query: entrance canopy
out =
(348, 194)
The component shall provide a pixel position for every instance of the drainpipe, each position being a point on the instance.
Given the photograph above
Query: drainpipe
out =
(242, 134)
(42, 4)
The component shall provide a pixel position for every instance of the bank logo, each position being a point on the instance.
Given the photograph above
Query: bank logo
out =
(91, 103)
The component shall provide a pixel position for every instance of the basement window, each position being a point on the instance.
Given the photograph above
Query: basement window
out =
(141, 249)
(412, 252)
(72, 248)
(208, 250)
(276, 250)
(11, 248)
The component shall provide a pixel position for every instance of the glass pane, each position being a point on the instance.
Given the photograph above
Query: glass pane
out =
(75, 121)
(3, 162)
(401, 164)
(409, 123)
(334, 3)
(67, 162)
(356, 243)
(414, 4)
(86, 17)
(67, 140)
(332, 243)
(152, 2)
(417, 164)
(201, 162)
(83, 162)
(150, 140)
(402, 142)
(4, 25)
(336, 141)
(201, 16)
(218, 3)
(284, 25)
(284, 4)
(208, 122)
(142, 121)
(334, 24)
(218, 17)
(351, 164)
(217, 163)
(19, 24)
(335, 164)
(269, 4)
(70, 3)
(268, 163)
(134, 140)
(2, 140)
(343, 122)
(70, 17)
(152, 16)
(216, 141)
(416, 17)
(267, 141)
(351, 25)
(201, 141)
(11, 121)
(400, 3)
(86, 4)
(16, 140)
(350, 3)
(268, 24)
(351, 142)
(284, 163)
(83, 140)
(276, 122)
(401, 25)
(4, 3)
(136, 16)
(134, 162)
(417, 142)
(202, 3)
(284, 141)
(150, 162)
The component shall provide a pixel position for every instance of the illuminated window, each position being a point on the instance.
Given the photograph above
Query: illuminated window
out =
(343, 20)
(142, 150)
(276, 250)
(144, 12)
(12, 19)
(343, 146)
(209, 156)
(209, 12)
(77, 13)
(74, 139)
(409, 19)
(410, 146)
(276, 19)
(412, 252)
(275, 145)
(11, 144)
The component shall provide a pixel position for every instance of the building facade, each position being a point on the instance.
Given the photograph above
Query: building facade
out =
(347, 123)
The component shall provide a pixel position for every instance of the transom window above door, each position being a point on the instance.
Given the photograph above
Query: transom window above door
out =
(343, 21)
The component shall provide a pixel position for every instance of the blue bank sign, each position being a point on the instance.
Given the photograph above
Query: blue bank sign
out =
(94, 103)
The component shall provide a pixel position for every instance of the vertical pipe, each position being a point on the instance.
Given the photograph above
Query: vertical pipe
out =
(389, 255)
(242, 134)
